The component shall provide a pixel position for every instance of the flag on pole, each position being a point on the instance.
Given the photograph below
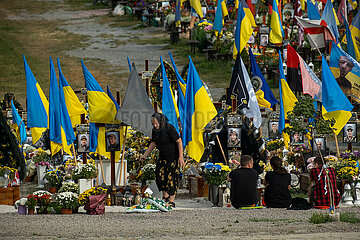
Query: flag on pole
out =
(276, 31)
(37, 105)
(136, 109)
(177, 14)
(101, 108)
(313, 12)
(243, 30)
(293, 76)
(264, 95)
(169, 106)
(73, 104)
(219, 17)
(329, 17)
(342, 9)
(346, 71)
(197, 6)
(248, 13)
(335, 104)
(199, 111)
(112, 97)
(349, 40)
(19, 124)
(287, 101)
(355, 33)
(353, 3)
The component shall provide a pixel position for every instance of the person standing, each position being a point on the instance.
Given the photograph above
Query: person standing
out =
(167, 140)
(277, 185)
(243, 180)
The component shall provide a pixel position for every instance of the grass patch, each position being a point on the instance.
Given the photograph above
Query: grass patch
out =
(349, 217)
(318, 218)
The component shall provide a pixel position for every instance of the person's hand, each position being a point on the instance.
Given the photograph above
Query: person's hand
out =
(181, 162)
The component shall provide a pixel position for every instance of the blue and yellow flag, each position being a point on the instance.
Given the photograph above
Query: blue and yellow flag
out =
(219, 18)
(177, 13)
(56, 131)
(37, 105)
(355, 33)
(287, 102)
(313, 11)
(199, 111)
(19, 125)
(243, 30)
(181, 90)
(335, 104)
(101, 108)
(264, 95)
(197, 6)
(74, 107)
(169, 107)
(276, 30)
(346, 71)
(353, 3)
(248, 13)
(349, 40)
(112, 97)
(330, 18)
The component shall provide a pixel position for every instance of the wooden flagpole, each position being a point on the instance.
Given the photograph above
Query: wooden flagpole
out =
(337, 145)
(122, 155)
(102, 168)
(73, 148)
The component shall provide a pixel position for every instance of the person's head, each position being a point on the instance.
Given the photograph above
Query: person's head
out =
(233, 135)
(112, 139)
(318, 162)
(246, 161)
(345, 66)
(287, 15)
(349, 131)
(83, 140)
(274, 127)
(276, 164)
(157, 120)
(319, 144)
(263, 38)
(296, 137)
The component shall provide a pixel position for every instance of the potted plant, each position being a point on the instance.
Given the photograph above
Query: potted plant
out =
(43, 201)
(41, 159)
(83, 174)
(67, 201)
(84, 197)
(147, 172)
(20, 205)
(31, 203)
(54, 178)
(69, 187)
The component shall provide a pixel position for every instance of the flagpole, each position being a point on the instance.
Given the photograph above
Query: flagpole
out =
(102, 168)
(337, 145)
(221, 148)
(122, 155)
(73, 147)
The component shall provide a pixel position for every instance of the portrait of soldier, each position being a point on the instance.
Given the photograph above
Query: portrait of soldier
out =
(345, 66)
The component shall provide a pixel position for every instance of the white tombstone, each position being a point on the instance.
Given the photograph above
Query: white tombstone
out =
(41, 170)
(357, 194)
(85, 184)
(107, 172)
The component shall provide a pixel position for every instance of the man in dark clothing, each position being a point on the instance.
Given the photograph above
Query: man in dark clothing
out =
(243, 184)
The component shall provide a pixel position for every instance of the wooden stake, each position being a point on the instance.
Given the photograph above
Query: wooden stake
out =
(222, 151)
(122, 156)
(337, 145)
(73, 148)
(102, 168)
(97, 176)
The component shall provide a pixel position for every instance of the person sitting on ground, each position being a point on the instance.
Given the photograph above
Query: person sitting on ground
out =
(243, 180)
(320, 193)
(277, 185)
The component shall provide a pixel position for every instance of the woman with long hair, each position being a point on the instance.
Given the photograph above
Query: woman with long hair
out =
(277, 185)
(167, 140)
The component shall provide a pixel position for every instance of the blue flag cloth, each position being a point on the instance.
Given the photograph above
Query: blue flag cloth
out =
(268, 95)
(218, 22)
(93, 132)
(21, 130)
(349, 41)
(112, 97)
(169, 108)
(54, 107)
(178, 11)
(329, 17)
(129, 63)
(313, 11)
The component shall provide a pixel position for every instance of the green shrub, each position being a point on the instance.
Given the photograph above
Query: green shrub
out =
(317, 218)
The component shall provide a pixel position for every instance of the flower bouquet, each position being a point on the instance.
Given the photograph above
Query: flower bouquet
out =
(43, 201)
(148, 172)
(216, 174)
(54, 177)
(296, 159)
(275, 145)
(84, 197)
(31, 203)
(68, 200)
(7, 174)
(69, 187)
(86, 171)
(41, 156)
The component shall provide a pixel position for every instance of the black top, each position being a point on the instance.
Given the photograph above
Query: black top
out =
(243, 187)
(277, 193)
(165, 140)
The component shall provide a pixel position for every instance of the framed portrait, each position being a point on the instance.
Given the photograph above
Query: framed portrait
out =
(350, 130)
(251, 39)
(285, 54)
(264, 39)
(83, 143)
(82, 128)
(234, 158)
(234, 137)
(112, 139)
(234, 120)
(319, 143)
(288, 14)
(296, 139)
(274, 130)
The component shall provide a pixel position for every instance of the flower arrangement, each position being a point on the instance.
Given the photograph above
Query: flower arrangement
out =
(43, 164)
(8, 174)
(68, 200)
(43, 200)
(148, 172)
(84, 197)
(296, 159)
(345, 166)
(41, 156)
(87, 171)
(69, 187)
(301, 149)
(216, 174)
(275, 145)
(268, 58)
(347, 173)
(21, 202)
(54, 177)
(266, 168)
(31, 202)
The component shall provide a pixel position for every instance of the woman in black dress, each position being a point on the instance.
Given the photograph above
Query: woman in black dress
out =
(277, 185)
(167, 140)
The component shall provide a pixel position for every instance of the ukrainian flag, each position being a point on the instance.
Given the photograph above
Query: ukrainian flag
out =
(349, 40)
(112, 97)
(330, 18)
(313, 11)
(248, 13)
(353, 4)
(19, 124)
(37, 105)
(276, 30)
(199, 111)
(197, 6)
(219, 18)
(335, 104)
(181, 90)
(74, 107)
(355, 33)
(243, 30)
(169, 107)
(56, 117)
(101, 108)
(287, 101)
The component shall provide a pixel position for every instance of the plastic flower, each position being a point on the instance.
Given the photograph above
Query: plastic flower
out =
(209, 165)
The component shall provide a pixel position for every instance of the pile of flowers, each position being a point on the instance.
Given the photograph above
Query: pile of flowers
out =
(269, 58)
(216, 174)
(275, 145)
(345, 166)
(69, 187)
(87, 171)
(41, 156)
(68, 200)
(43, 200)
(31, 202)
(148, 172)
(84, 197)
(266, 168)
(54, 177)
(296, 159)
